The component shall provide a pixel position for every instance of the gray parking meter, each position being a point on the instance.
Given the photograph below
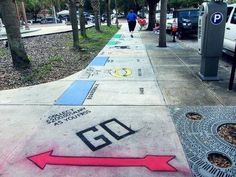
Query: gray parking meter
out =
(211, 27)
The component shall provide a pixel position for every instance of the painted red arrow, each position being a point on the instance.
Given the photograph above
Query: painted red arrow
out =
(152, 162)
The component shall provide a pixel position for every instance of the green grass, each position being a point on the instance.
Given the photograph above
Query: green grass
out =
(2, 52)
(42, 71)
(36, 74)
(97, 40)
(55, 58)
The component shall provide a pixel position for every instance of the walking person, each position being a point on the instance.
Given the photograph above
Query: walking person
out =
(131, 18)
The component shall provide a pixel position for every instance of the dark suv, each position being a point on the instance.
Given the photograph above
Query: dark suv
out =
(187, 21)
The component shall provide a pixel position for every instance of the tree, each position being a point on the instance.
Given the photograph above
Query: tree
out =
(74, 23)
(82, 18)
(152, 4)
(12, 25)
(33, 6)
(108, 7)
(162, 35)
(96, 8)
(51, 4)
(24, 14)
(116, 9)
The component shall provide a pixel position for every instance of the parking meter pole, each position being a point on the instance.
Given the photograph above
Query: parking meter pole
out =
(211, 29)
(231, 81)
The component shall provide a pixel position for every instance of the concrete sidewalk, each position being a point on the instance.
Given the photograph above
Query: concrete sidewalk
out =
(46, 29)
(123, 115)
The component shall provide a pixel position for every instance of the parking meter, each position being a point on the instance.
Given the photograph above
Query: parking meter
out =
(211, 27)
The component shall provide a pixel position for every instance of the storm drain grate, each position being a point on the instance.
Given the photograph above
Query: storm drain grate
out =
(208, 154)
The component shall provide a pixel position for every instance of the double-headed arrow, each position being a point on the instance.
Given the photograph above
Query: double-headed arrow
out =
(152, 162)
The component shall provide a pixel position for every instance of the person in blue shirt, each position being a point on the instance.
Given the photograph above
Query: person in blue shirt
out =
(131, 18)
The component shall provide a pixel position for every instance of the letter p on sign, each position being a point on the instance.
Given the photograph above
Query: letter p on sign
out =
(216, 18)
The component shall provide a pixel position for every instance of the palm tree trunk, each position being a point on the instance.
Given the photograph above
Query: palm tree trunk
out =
(17, 11)
(54, 13)
(152, 15)
(24, 15)
(108, 7)
(12, 25)
(96, 8)
(162, 35)
(117, 22)
(82, 22)
(82, 18)
(74, 23)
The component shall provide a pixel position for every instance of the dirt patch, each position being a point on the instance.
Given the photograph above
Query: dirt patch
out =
(51, 56)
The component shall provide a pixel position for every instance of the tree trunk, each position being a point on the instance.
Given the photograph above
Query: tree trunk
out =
(54, 13)
(162, 35)
(82, 19)
(152, 15)
(117, 22)
(108, 7)
(97, 23)
(17, 11)
(24, 15)
(74, 23)
(96, 8)
(12, 25)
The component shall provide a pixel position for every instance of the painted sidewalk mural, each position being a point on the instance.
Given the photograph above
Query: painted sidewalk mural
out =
(109, 120)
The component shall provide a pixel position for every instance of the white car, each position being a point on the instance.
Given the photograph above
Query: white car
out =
(230, 30)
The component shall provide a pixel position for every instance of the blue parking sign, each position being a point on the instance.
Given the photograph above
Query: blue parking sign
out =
(217, 18)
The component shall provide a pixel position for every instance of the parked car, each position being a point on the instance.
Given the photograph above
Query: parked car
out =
(230, 30)
(187, 21)
(121, 15)
(29, 22)
(37, 20)
(90, 18)
(48, 20)
(103, 18)
(64, 18)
